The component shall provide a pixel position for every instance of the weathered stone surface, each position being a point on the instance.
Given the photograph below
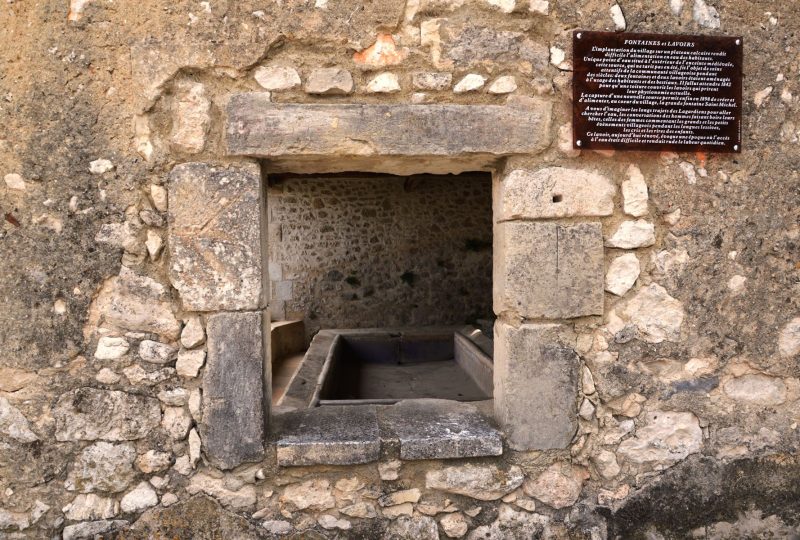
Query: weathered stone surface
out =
(200, 517)
(153, 461)
(277, 77)
(233, 393)
(190, 362)
(469, 83)
(606, 464)
(155, 352)
(136, 303)
(13, 379)
(440, 429)
(102, 466)
(512, 525)
(383, 83)
(548, 270)
(256, 127)
(756, 389)
(111, 348)
(789, 339)
(632, 235)
(419, 528)
(90, 507)
(382, 53)
(454, 525)
(482, 482)
(14, 424)
(535, 385)
(312, 494)
(176, 422)
(331, 81)
(555, 192)
(235, 497)
(634, 193)
(503, 85)
(667, 437)
(214, 236)
(88, 414)
(193, 334)
(622, 274)
(141, 497)
(190, 118)
(400, 497)
(427, 80)
(657, 316)
(90, 529)
(559, 486)
(477, 44)
(343, 435)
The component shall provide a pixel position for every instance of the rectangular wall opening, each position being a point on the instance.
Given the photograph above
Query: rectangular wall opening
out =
(374, 251)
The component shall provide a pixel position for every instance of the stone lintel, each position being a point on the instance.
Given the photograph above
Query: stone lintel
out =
(234, 402)
(536, 385)
(392, 138)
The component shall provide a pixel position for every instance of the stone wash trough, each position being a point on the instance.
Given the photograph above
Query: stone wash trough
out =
(425, 390)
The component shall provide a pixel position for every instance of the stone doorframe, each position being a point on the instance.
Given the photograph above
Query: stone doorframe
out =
(548, 260)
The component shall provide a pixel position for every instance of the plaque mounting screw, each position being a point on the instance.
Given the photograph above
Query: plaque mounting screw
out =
(579, 34)
(736, 147)
(578, 143)
(738, 41)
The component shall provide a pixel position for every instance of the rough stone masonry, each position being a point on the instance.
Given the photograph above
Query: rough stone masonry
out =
(647, 332)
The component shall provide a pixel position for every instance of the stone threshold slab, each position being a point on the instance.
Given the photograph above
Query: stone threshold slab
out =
(354, 434)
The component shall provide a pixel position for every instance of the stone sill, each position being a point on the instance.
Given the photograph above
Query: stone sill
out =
(354, 434)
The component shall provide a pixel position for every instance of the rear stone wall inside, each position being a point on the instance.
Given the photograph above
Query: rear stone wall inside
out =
(366, 251)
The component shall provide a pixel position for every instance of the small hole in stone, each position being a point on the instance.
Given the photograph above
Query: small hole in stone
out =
(557, 198)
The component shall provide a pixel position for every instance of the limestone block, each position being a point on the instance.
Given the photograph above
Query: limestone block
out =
(257, 127)
(667, 437)
(548, 270)
(234, 403)
(535, 385)
(191, 118)
(555, 192)
(482, 482)
(214, 236)
(88, 414)
(334, 81)
(102, 466)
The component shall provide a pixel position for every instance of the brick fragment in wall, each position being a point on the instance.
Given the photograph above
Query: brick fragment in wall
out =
(215, 236)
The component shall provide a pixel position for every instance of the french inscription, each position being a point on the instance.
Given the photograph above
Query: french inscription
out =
(657, 92)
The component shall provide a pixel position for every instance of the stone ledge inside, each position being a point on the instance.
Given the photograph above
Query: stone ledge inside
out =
(355, 434)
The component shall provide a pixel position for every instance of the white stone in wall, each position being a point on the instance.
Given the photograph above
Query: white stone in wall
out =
(90, 507)
(554, 192)
(111, 348)
(469, 83)
(454, 525)
(176, 422)
(140, 498)
(106, 376)
(100, 166)
(657, 316)
(676, 6)
(622, 274)
(87, 414)
(277, 77)
(193, 334)
(327, 521)
(312, 494)
(229, 494)
(482, 482)
(278, 527)
(153, 461)
(565, 141)
(756, 389)
(190, 118)
(634, 193)
(559, 486)
(736, 283)
(539, 6)
(705, 15)
(688, 172)
(158, 194)
(632, 235)
(330, 81)
(400, 497)
(618, 17)
(606, 464)
(14, 424)
(14, 181)
(762, 96)
(194, 447)
(503, 85)
(789, 339)
(393, 512)
(506, 6)
(666, 437)
(154, 243)
(390, 470)
(383, 83)
(586, 410)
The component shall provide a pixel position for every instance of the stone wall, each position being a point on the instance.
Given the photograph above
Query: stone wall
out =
(661, 337)
(381, 252)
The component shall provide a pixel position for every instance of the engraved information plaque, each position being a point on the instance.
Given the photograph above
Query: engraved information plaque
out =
(656, 92)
